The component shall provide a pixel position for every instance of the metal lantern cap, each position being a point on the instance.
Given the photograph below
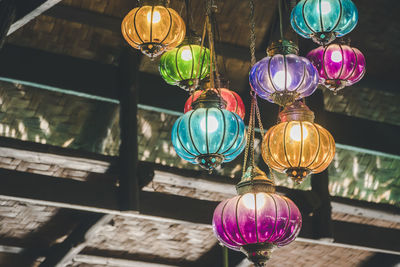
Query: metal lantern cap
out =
(297, 111)
(255, 180)
(283, 47)
(209, 99)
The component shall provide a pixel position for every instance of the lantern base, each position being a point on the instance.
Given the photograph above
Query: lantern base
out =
(284, 98)
(323, 38)
(334, 85)
(210, 161)
(258, 253)
(189, 84)
(152, 49)
(297, 174)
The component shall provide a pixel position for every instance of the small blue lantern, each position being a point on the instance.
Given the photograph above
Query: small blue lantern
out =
(324, 20)
(209, 135)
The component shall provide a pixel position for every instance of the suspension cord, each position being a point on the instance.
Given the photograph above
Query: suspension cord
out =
(280, 18)
(252, 25)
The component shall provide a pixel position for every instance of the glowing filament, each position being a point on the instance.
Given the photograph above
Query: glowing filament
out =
(212, 124)
(325, 7)
(156, 17)
(336, 56)
(186, 54)
(279, 79)
(295, 133)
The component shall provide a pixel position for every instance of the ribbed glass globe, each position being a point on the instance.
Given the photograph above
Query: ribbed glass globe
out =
(209, 136)
(184, 65)
(281, 79)
(339, 65)
(153, 29)
(324, 20)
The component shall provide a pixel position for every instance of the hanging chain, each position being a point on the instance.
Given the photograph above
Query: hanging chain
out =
(252, 25)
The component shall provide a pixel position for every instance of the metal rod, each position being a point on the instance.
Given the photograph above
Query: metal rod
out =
(225, 261)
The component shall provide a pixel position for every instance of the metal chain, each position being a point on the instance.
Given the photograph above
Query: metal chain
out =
(252, 25)
(250, 131)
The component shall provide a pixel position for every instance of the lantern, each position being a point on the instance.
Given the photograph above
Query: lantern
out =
(209, 135)
(283, 76)
(324, 20)
(153, 29)
(185, 65)
(339, 65)
(257, 220)
(233, 101)
(297, 146)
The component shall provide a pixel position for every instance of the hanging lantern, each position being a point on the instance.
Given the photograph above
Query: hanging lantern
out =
(233, 101)
(209, 135)
(283, 77)
(153, 29)
(257, 220)
(324, 20)
(185, 65)
(297, 146)
(339, 65)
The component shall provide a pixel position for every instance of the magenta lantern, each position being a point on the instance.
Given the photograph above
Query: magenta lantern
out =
(339, 65)
(257, 220)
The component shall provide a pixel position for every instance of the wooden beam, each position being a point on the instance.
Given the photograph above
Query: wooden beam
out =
(8, 9)
(28, 10)
(108, 261)
(128, 150)
(60, 255)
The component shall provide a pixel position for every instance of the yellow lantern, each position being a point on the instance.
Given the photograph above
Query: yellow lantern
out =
(153, 29)
(297, 146)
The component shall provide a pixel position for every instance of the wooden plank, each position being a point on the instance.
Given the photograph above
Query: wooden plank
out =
(60, 255)
(28, 10)
(108, 261)
(8, 10)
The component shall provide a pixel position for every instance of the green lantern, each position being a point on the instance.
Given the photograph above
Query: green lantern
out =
(185, 65)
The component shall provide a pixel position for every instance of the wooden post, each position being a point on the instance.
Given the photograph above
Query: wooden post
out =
(7, 16)
(322, 217)
(128, 152)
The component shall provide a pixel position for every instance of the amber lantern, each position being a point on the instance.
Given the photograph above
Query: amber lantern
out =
(153, 29)
(297, 146)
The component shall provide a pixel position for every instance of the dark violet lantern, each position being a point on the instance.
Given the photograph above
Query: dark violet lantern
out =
(283, 77)
(257, 220)
(339, 65)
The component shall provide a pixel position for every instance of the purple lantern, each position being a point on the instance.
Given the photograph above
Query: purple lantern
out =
(257, 220)
(339, 65)
(283, 77)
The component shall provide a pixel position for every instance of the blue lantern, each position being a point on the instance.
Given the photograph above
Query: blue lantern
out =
(209, 135)
(324, 20)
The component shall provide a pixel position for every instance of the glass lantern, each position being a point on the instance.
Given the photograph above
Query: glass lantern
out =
(283, 77)
(297, 146)
(324, 20)
(257, 220)
(339, 65)
(153, 29)
(185, 65)
(209, 135)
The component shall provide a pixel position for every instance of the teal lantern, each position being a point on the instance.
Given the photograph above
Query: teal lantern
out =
(185, 65)
(324, 20)
(209, 135)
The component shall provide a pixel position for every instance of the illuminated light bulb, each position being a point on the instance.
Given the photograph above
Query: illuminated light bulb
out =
(295, 133)
(325, 7)
(336, 56)
(248, 201)
(260, 200)
(186, 54)
(156, 17)
(212, 124)
(279, 79)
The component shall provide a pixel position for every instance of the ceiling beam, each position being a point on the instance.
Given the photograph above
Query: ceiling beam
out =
(28, 10)
(108, 261)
